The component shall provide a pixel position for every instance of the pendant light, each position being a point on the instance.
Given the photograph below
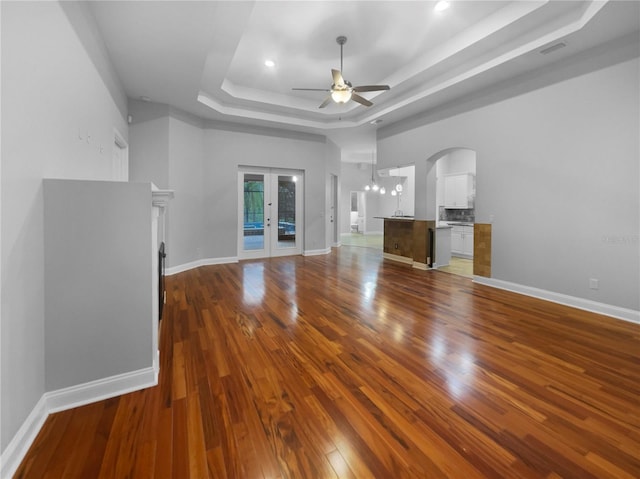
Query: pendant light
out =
(373, 186)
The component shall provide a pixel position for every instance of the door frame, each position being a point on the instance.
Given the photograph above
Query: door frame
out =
(270, 247)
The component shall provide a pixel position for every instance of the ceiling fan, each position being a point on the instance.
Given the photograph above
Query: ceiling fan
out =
(342, 91)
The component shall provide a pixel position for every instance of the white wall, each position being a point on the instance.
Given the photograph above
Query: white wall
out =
(57, 114)
(557, 174)
(186, 215)
(149, 143)
(202, 168)
(227, 148)
(98, 277)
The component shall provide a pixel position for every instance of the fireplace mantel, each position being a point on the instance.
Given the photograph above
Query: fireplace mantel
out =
(160, 198)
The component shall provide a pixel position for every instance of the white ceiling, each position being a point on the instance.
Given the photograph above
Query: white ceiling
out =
(207, 57)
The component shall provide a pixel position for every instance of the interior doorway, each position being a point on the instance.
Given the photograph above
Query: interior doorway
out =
(455, 201)
(357, 212)
(270, 213)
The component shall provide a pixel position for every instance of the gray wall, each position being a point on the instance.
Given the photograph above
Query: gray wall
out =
(58, 88)
(228, 147)
(98, 280)
(202, 168)
(557, 174)
(149, 142)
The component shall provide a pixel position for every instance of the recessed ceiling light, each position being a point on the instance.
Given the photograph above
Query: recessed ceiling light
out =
(269, 63)
(441, 6)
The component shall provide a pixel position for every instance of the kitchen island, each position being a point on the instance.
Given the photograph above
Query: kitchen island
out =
(409, 241)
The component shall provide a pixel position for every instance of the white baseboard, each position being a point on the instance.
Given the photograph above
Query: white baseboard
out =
(67, 398)
(398, 258)
(93, 391)
(201, 262)
(232, 259)
(316, 252)
(16, 450)
(630, 315)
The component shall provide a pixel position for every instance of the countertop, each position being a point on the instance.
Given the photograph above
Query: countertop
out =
(412, 218)
(396, 218)
(458, 223)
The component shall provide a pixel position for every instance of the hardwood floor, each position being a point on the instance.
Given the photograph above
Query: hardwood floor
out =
(350, 366)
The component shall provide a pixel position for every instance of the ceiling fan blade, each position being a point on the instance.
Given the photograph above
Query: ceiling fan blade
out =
(325, 102)
(337, 77)
(311, 89)
(363, 101)
(371, 88)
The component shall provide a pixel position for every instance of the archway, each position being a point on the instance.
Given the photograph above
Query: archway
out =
(451, 198)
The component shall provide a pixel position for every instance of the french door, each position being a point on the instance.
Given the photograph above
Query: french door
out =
(270, 213)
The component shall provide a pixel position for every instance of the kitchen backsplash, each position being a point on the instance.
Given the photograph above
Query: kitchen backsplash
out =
(457, 214)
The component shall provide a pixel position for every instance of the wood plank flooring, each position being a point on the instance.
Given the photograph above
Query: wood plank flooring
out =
(350, 366)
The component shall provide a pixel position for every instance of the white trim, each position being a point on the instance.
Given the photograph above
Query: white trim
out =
(316, 252)
(625, 314)
(200, 262)
(422, 266)
(68, 398)
(398, 258)
(16, 450)
(337, 244)
(101, 389)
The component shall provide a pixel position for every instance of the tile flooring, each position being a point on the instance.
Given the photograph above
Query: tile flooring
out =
(359, 239)
(459, 266)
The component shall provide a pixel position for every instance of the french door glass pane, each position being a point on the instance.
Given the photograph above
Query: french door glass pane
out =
(253, 214)
(286, 211)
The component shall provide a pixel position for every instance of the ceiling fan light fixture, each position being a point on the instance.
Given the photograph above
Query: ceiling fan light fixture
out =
(341, 90)
(341, 96)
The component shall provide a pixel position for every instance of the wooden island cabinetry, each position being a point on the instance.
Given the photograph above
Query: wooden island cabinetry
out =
(409, 241)
(398, 237)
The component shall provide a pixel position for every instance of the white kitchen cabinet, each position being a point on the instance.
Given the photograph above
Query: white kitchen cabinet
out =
(467, 241)
(456, 240)
(462, 241)
(459, 191)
